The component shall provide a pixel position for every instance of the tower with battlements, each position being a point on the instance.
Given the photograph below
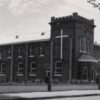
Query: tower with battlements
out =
(73, 37)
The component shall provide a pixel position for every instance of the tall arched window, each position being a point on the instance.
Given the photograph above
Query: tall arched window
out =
(83, 44)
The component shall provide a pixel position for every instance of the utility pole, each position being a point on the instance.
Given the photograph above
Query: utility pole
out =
(70, 62)
(50, 76)
(26, 61)
(11, 69)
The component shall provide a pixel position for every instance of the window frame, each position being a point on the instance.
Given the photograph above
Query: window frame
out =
(9, 52)
(42, 50)
(19, 52)
(32, 68)
(56, 73)
(80, 45)
(31, 51)
(0, 53)
(2, 73)
(88, 46)
(83, 45)
(20, 73)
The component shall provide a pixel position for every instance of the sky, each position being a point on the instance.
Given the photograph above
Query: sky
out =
(33, 16)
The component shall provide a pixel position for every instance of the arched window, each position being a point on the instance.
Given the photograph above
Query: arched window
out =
(83, 44)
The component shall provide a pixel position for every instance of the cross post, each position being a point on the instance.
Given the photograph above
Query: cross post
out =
(61, 43)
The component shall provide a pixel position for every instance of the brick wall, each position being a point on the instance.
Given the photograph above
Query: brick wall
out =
(41, 61)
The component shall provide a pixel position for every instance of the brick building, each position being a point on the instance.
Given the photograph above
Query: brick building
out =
(67, 54)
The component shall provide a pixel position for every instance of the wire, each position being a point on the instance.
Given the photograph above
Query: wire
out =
(57, 4)
(79, 7)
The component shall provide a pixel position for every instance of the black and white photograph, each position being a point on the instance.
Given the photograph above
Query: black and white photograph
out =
(49, 49)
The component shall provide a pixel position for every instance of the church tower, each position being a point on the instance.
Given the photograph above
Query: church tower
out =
(72, 36)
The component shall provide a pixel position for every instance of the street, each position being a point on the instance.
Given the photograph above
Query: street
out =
(79, 98)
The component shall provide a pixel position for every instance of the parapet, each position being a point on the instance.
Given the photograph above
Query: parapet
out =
(74, 16)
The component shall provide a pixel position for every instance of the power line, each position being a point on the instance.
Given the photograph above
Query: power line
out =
(79, 7)
(53, 6)
(73, 5)
(39, 4)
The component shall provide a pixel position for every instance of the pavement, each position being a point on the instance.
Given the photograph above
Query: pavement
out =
(19, 88)
(49, 95)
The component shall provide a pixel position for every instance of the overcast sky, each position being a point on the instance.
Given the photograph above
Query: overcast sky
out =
(33, 16)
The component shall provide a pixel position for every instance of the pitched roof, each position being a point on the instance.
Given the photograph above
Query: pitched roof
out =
(22, 38)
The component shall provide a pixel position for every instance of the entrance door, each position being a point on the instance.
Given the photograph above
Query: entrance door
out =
(85, 73)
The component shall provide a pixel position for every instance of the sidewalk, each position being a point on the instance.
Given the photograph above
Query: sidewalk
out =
(43, 87)
(49, 95)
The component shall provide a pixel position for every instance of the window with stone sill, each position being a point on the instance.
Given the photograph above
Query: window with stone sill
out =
(31, 51)
(58, 68)
(9, 52)
(47, 71)
(19, 52)
(0, 53)
(88, 47)
(20, 69)
(33, 67)
(83, 45)
(2, 69)
(42, 50)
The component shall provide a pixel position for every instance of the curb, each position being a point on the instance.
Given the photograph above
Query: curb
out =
(56, 97)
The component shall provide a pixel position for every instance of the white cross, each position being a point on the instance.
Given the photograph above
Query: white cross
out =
(61, 42)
